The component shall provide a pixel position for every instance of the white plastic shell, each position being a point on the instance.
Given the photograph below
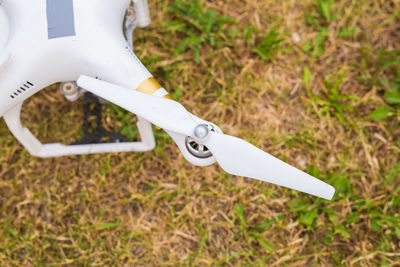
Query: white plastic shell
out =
(4, 27)
(30, 61)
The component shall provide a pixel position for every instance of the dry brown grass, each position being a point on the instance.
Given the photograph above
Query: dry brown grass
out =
(152, 209)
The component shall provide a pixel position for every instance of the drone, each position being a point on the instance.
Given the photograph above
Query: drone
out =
(86, 47)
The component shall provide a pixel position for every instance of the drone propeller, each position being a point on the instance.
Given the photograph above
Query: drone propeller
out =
(234, 155)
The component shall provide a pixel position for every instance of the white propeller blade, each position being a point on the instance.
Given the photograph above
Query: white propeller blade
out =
(234, 155)
(165, 113)
(241, 158)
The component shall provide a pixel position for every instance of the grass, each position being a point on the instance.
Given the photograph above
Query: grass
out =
(325, 101)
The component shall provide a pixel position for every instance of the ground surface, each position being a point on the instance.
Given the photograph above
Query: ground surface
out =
(311, 82)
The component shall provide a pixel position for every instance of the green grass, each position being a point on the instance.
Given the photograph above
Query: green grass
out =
(268, 45)
(198, 26)
(326, 102)
(386, 76)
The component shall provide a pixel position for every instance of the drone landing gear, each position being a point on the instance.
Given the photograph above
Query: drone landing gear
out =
(90, 144)
(137, 15)
(93, 107)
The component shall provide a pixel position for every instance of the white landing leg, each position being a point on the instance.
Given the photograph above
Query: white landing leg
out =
(136, 16)
(142, 13)
(36, 148)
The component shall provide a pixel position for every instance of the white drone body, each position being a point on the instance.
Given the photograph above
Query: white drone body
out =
(44, 42)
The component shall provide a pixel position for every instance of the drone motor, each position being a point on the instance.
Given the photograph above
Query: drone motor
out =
(71, 91)
(197, 150)
(201, 132)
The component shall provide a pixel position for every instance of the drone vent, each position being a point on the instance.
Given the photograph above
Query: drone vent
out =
(27, 85)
